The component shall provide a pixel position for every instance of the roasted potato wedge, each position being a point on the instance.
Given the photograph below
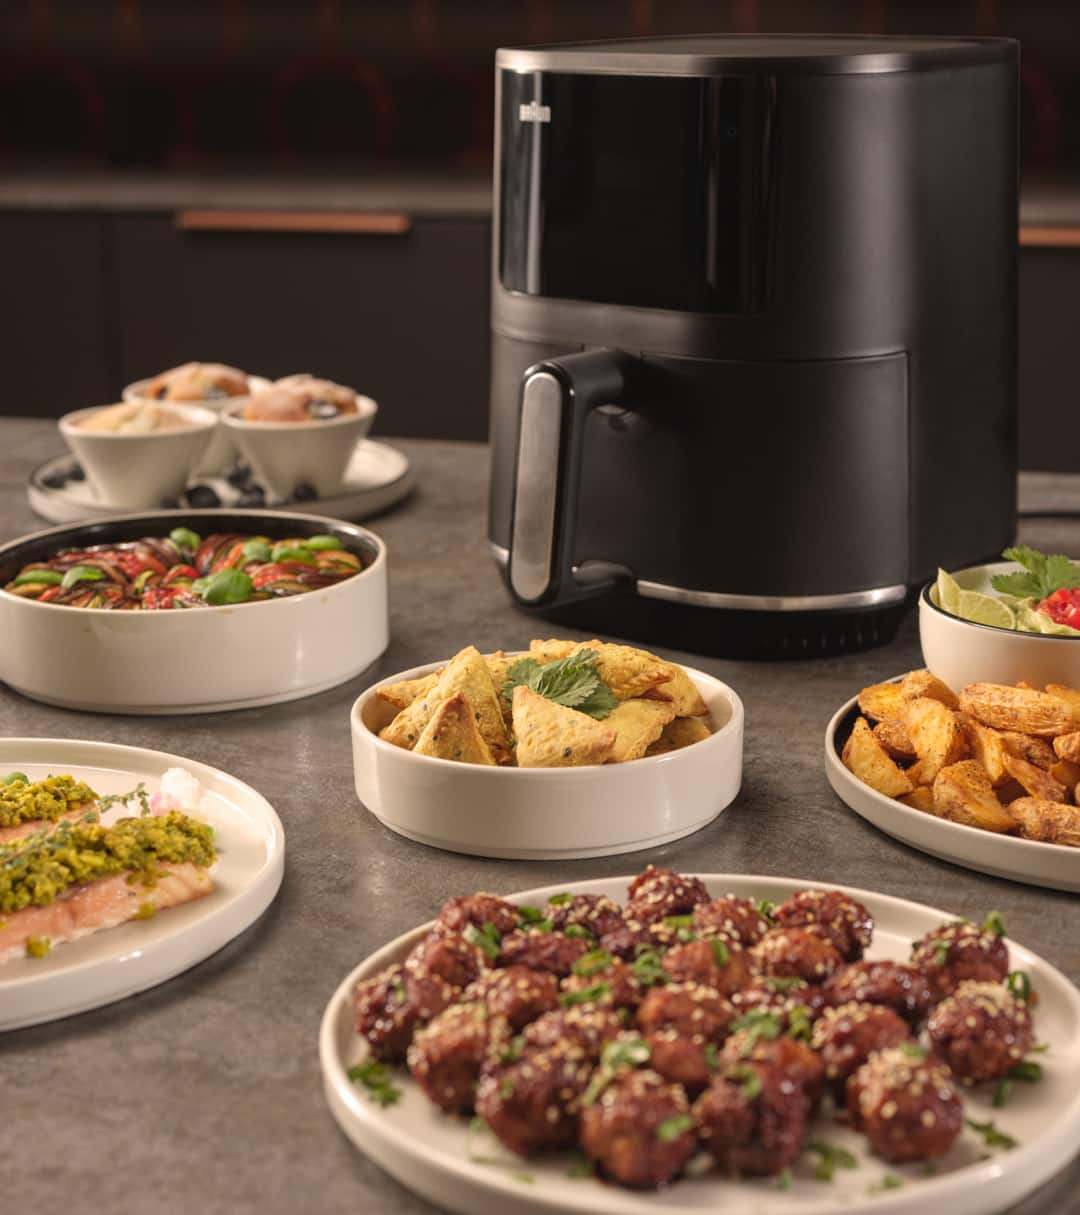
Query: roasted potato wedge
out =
(921, 798)
(936, 735)
(987, 746)
(1069, 695)
(881, 701)
(893, 736)
(1036, 751)
(1035, 780)
(868, 760)
(1048, 822)
(1067, 771)
(1019, 709)
(922, 683)
(1067, 746)
(963, 794)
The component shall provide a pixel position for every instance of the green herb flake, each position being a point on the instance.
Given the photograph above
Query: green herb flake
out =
(1045, 574)
(995, 924)
(486, 938)
(784, 1179)
(712, 1056)
(1019, 983)
(1028, 1072)
(721, 953)
(941, 953)
(782, 984)
(539, 926)
(576, 930)
(584, 995)
(580, 1167)
(889, 1181)
(648, 968)
(375, 1077)
(560, 900)
(629, 1052)
(590, 963)
(992, 1137)
(671, 1128)
(800, 1025)
(766, 908)
(758, 1023)
(529, 914)
(573, 682)
(830, 1158)
(749, 1081)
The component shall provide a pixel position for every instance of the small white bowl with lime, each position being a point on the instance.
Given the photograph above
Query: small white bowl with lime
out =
(1004, 622)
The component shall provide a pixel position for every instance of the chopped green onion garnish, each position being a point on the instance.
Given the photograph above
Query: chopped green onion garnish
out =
(720, 952)
(830, 1158)
(784, 1179)
(995, 924)
(376, 1079)
(558, 900)
(584, 995)
(1019, 983)
(671, 1128)
(590, 963)
(648, 968)
(486, 938)
(992, 1137)
(529, 913)
(750, 1081)
(576, 930)
(581, 1166)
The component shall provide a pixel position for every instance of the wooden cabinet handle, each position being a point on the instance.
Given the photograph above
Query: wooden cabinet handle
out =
(368, 223)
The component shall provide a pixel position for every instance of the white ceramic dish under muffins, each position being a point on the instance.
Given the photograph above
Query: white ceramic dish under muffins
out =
(221, 450)
(549, 813)
(135, 471)
(196, 660)
(284, 455)
(960, 652)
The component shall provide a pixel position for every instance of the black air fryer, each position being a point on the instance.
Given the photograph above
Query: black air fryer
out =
(753, 332)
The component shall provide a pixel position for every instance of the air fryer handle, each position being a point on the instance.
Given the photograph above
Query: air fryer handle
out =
(556, 398)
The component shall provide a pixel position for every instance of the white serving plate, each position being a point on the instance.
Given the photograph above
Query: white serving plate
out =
(426, 1150)
(549, 813)
(200, 660)
(117, 962)
(960, 652)
(1050, 865)
(377, 476)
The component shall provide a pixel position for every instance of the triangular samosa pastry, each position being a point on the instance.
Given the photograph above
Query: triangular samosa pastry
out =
(626, 671)
(550, 735)
(400, 695)
(466, 672)
(637, 723)
(678, 734)
(452, 733)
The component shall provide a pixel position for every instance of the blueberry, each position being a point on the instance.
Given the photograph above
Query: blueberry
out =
(304, 492)
(201, 496)
(75, 473)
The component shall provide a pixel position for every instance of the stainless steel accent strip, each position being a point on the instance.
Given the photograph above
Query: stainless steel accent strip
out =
(879, 596)
(536, 491)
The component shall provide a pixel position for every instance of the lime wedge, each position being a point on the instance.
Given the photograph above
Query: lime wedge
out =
(985, 609)
(948, 593)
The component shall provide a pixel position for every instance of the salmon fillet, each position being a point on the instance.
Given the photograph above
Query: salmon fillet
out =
(7, 834)
(104, 904)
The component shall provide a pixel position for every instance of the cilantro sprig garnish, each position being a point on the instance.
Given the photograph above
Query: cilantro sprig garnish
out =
(1044, 574)
(573, 682)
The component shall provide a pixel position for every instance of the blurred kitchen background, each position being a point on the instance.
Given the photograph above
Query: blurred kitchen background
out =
(294, 185)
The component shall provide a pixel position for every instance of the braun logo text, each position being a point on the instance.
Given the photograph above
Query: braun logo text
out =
(534, 112)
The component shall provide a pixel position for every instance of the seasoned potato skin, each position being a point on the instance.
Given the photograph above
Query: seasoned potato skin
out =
(1021, 709)
(963, 794)
(867, 758)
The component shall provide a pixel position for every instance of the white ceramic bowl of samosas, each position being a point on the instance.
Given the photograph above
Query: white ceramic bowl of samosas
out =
(549, 813)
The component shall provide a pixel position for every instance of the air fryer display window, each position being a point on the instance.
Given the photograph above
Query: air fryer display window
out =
(642, 190)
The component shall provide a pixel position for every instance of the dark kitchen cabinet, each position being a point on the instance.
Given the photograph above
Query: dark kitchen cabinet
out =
(403, 318)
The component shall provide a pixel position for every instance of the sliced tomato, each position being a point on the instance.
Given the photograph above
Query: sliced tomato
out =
(1063, 607)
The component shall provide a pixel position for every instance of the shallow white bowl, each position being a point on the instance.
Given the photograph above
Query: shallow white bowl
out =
(960, 652)
(197, 660)
(284, 455)
(221, 451)
(549, 813)
(136, 471)
(1051, 865)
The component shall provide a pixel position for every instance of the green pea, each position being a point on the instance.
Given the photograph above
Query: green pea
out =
(12, 777)
(285, 552)
(228, 586)
(323, 543)
(184, 537)
(82, 573)
(48, 577)
(257, 549)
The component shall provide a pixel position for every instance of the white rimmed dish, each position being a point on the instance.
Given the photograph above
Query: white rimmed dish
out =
(136, 471)
(284, 455)
(426, 1150)
(549, 813)
(1006, 856)
(117, 962)
(960, 652)
(220, 452)
(198, 660)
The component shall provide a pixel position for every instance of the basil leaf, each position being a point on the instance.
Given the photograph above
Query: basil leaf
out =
(227, 586)
(184, 537)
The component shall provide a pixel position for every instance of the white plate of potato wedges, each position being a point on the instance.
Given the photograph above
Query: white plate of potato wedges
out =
(570, 749)
(985, 776)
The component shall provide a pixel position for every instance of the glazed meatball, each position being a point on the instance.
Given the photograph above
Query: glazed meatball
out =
(956, 953)
(627, 940)
(904, 989)
(611, 983)
(687, 1008)
(658, 893)
(532, 1103)
(780, 996)
(477, 909)
(384, 1015)
(516, 993)
(731, 917)
(796, 953)
(595, 913)
(690, 1062)
(753, 1118)
(552, 952)
(446, 1056)
(640, 1131)
(715, 962)
(981, 1030)
(586, 1027)
(847, 1036)
(905, 1105)
(438, 969)
(835, 916)
(795, 1059)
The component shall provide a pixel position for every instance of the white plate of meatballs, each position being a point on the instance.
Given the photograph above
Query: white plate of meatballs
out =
(669, 1043)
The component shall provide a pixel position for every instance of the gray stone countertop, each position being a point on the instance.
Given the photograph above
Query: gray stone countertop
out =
(205, 1091)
